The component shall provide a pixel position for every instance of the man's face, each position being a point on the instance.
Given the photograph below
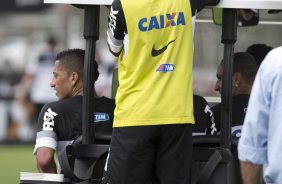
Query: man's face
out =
(61, 82)
(219, 74)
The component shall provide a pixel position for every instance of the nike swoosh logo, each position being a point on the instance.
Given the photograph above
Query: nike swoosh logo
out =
(160, 51)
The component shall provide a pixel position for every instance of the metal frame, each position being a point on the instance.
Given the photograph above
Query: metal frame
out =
(229, 36)
(255, 4)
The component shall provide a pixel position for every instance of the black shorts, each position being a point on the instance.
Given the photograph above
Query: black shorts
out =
(150, 154)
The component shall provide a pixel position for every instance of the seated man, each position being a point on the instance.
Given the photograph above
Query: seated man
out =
(244, 72)
(60, 122)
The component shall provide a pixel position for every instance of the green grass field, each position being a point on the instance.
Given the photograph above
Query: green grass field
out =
(15, 159)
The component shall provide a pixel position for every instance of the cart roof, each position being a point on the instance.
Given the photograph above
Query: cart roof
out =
(254, 4)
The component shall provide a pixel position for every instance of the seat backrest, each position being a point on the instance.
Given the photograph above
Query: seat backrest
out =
(82, 163)
(214, 164)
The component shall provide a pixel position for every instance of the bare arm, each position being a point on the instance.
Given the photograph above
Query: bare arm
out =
(24, 86)
(45, 160)
(251, 173)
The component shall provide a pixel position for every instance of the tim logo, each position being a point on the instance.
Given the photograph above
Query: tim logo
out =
(98, 117)
(161, 21)
(166, 68)
(236, 131)
(245, 110)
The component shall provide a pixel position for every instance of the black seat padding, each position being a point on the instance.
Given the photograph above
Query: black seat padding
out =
(84, 162)
(212, 164)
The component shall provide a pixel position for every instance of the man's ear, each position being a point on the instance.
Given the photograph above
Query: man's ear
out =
(237, 79)
(74, 78)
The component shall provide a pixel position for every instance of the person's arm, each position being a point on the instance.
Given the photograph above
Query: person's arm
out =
(23, 87)
(255, 143)
(26, 81)
(251, 173)
(116, 28)
(45, 160)
(211, 126)
(216, 116)
(198, 5)
(252, 147)
(116, 54)
(46, 140)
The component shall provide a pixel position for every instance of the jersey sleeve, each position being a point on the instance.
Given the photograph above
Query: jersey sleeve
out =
(216, 115)
(197, 5)
(116, 27)
(204, 121)
(46, 128)
(211, 127)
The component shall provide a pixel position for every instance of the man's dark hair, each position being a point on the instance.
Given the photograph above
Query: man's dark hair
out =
(73, 61)
(245, 64)
(259, 51)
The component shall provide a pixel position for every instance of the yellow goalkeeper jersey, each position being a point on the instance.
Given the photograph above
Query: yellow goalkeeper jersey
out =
(155, 76)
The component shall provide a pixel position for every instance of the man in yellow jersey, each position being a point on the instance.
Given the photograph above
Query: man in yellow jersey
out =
(152, 136)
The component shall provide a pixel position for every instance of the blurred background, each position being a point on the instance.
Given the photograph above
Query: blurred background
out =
(31, 31)
(30, 34)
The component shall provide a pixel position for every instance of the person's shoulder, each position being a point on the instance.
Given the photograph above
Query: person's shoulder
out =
(70, 104)
(216, 108)
(105, 100)
(116, 5)
(271, 65)
(241, 97)
(240, 101)
(240, 104)
(273, 57)
(110, 100)
(75, 99)
(51, 106)
(276, 50)
(200, 104)
(200, 99)
(49, 111)
(197, 5)
(60, 105)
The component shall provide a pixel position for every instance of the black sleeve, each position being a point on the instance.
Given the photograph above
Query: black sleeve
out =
(204, 120)
(211, 126)
(216, 110)
(117, 23)
(197, 5)
(199, 115)
(47, 118)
